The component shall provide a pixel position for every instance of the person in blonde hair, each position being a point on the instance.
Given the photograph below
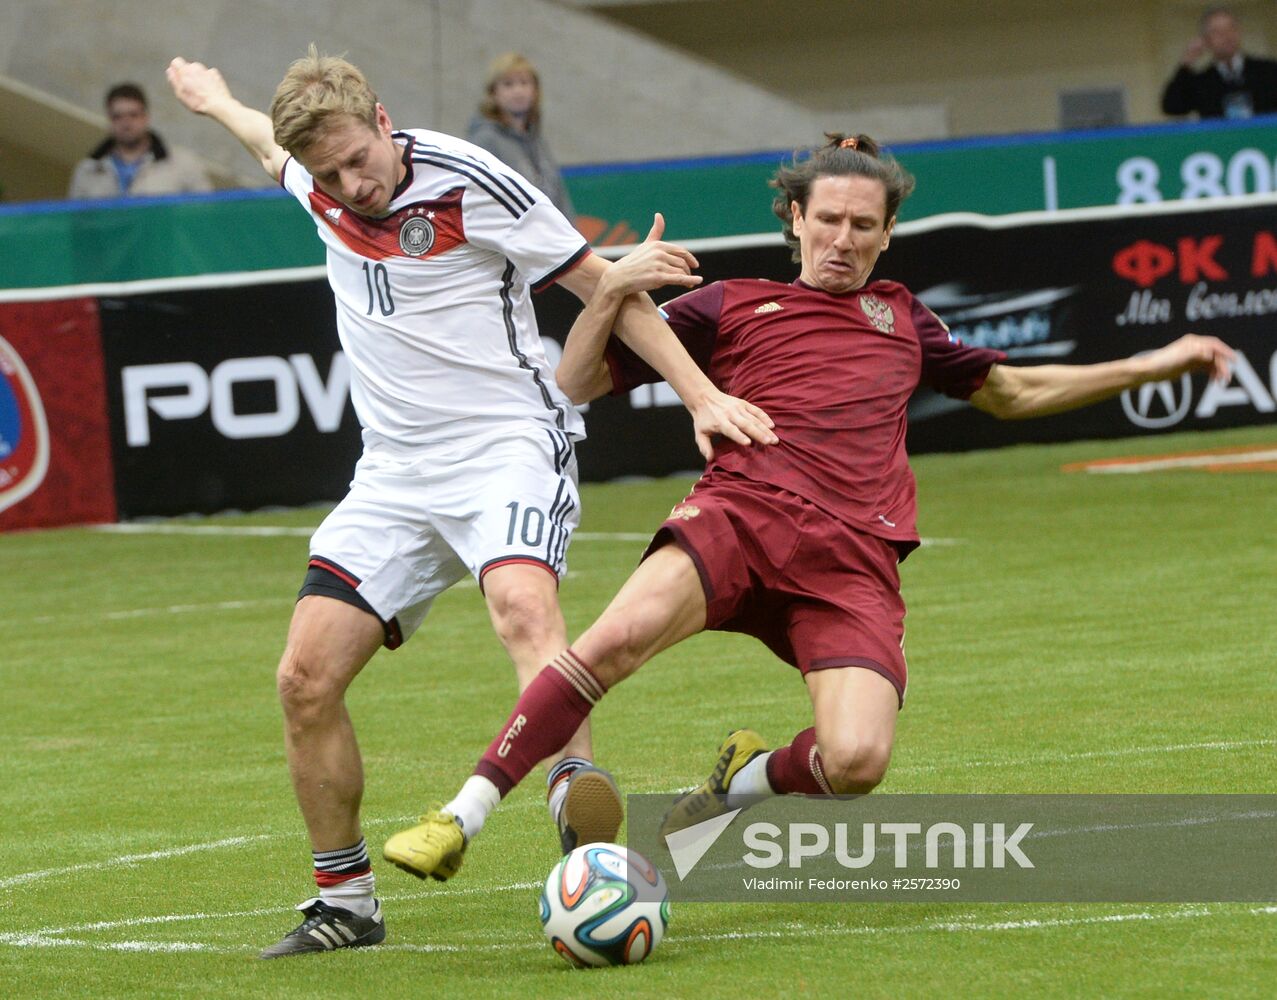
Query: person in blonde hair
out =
(434, 247)
(508, 125)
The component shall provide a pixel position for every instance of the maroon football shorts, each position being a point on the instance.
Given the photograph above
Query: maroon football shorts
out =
(818, 592)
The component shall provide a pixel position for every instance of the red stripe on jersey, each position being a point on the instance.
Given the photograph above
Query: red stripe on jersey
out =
(418, 231)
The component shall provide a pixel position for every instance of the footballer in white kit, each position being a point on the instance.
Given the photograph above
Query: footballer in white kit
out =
(433, 247)
(467, 461)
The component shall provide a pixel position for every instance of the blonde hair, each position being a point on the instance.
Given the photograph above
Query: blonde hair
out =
(315, 91)
(502, 66)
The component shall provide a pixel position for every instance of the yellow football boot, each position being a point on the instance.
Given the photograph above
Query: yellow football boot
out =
(432, 848)
(709, 800)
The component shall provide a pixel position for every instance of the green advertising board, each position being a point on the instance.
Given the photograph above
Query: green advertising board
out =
(57, 244)
(86, 243)
(989, 176)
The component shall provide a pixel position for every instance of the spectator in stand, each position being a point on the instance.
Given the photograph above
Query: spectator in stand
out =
(508, 126)
(1234, 85)
(133, 160)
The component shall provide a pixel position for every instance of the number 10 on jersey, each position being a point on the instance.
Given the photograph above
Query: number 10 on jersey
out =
(378, 279)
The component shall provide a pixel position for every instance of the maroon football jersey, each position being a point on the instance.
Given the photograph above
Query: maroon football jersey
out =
(835, 372)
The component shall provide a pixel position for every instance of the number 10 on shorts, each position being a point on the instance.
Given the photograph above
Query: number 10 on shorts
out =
(530, 525)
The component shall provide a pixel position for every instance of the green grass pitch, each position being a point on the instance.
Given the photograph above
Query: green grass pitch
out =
(1079, 633)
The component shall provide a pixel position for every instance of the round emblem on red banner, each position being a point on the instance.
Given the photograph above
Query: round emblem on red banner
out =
(24, 431)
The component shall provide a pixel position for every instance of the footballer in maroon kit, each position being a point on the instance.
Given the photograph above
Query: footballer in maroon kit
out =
(796, 543)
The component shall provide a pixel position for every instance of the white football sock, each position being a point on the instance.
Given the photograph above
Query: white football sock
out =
(556, 780)
(355, 895)
(749, 782)
(555, 799)
(477, 798)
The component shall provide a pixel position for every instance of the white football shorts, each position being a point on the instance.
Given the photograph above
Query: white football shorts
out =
(411, 527)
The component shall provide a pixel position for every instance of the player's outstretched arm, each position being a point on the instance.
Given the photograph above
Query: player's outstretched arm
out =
(1011, 393)
(201, 89)
(639, 325)
(583, 373)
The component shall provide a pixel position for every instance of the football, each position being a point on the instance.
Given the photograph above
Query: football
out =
(604, 904)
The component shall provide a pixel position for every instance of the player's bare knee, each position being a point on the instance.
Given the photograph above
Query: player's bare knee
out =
(524, 616)
(306, 692)
(854, 766)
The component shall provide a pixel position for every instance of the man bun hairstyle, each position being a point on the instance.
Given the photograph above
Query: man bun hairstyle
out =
(841, 156)
(317, 92)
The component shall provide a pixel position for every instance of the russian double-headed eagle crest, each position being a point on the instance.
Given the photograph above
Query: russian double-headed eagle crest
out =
(879, 313)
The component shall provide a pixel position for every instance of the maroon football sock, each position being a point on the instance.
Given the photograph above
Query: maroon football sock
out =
(798, 768)
(550, 710)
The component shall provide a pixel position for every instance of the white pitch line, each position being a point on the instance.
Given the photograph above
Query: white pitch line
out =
(963, 926)
(285, 531)
(247, 530)
(263, 911)
(185, 609)
(55, 936)
(1170, 824)
(171, 609)
(24, 878)
(1061, 758)
(51, 937)
(37, 940)
(467, 583)
(131, 859)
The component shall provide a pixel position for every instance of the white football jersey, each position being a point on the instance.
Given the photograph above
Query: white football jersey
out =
(434, 309)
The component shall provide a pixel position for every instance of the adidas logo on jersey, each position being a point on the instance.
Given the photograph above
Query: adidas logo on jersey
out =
(770, 307)
(334, 215)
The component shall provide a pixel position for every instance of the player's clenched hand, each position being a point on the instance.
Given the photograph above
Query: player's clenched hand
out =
(652, 264)
(197, 86)
(736, 419)
(1191, 353)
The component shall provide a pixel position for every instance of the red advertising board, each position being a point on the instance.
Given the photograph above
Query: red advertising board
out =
(55, 451)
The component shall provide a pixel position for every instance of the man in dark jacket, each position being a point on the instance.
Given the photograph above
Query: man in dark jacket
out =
(133, 160)
(1234, 85)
